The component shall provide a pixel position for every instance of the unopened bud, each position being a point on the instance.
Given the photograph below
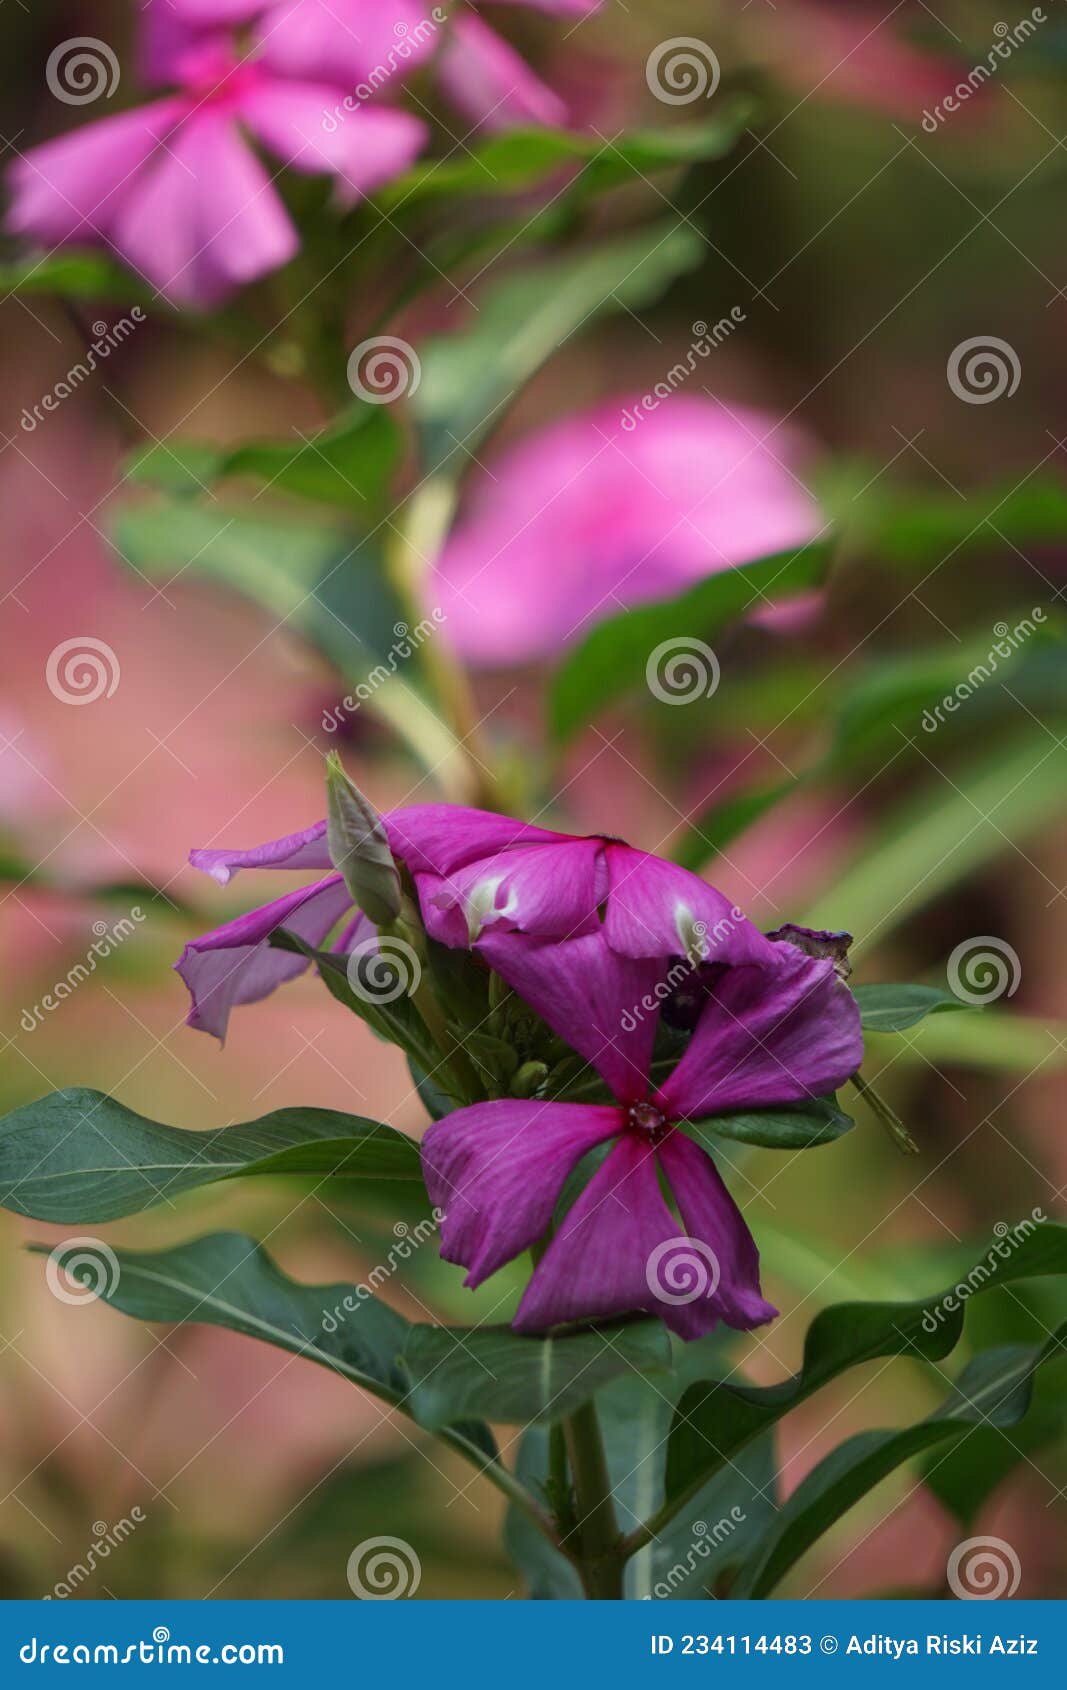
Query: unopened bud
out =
(529, 1078)
(359, 848)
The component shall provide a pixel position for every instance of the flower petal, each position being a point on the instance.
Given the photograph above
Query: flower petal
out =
(606, 1007)
(490, 82)
(364, 147)
(603, 1259)
(496, 1171)
(205, 218)
(711, 1215)
(656, 908)
(236, 964)
(768, 1036)
(74, 187)
(437, 838)
(546, 891)
(306, 849)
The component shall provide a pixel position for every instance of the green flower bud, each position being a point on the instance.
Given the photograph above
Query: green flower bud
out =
(359, 848)
(529, 1078)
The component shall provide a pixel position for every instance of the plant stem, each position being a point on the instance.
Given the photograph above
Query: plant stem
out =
(889, 1118)
(599, 1559)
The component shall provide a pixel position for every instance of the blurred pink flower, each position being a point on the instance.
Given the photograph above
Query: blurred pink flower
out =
(365, 43)
(176, 189)
(600, 512)
(852, 50)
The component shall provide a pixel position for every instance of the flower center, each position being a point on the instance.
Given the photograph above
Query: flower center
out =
(649, 1121)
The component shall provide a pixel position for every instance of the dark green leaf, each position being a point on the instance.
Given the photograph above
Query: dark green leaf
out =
(349, 463)
(716, 1419)
(799, 1128)
(993, 1390)
(468, 378)
(892, 1009)
(614, 658)
(520, 159)
(506, 1376)
(78, 1156)
(74, 273)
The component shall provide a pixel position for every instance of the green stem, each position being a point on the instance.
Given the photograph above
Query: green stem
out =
(889, 1118)
(599, 1559)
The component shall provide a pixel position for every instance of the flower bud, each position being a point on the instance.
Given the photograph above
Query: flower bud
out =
(359, 848)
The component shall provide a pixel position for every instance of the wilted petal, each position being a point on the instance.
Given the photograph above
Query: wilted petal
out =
(306, 849)
(711, 1215)
(237, 964)
(496, 1170)
(767, 1037)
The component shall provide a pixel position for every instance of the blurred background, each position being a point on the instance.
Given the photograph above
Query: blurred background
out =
(863, 248)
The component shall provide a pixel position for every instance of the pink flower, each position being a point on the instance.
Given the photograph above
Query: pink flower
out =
(510, 889)
(367, 43)
(612, 508)
(765, 1037)
(175, 188)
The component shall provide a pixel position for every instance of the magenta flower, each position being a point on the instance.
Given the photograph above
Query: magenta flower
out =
(497, 1170)
(368, 43)
(510, 889)
(176, 189)
(612, 508)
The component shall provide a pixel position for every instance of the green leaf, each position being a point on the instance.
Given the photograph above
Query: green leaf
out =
(892, 1009)
(73, 273)
(912, 525)
(226, 1279)
(800, 1128)
(521, 159)
(78, 1156)
(229, 1280)
(469, 377)
(994, 1389)
(531, 1381)
(947, 834)
(1016, 1044)
(703, 1542)
(349, 463)
(615, 657)
(715, 1419)
(393, 1018)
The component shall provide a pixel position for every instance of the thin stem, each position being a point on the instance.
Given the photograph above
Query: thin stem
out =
(889, 1118)
(599, 1561)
